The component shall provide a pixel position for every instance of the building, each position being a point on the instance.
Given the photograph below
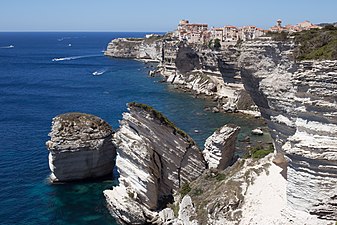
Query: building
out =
(217, 33)
(231, 33)
(191, 32)
(306, 25)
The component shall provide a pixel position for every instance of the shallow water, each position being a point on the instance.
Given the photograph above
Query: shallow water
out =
(41, 77)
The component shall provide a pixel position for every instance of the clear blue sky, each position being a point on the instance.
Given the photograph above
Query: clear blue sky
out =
(156, 15)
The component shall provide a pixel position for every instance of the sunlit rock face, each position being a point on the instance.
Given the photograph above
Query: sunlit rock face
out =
(220, 147)
(80, 147)
(135, 48)
(298, 100)
(154, 159)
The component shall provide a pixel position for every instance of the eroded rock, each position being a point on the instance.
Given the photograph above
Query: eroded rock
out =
(80, 147)
(154, 159)
(298, 101)
(220, 147)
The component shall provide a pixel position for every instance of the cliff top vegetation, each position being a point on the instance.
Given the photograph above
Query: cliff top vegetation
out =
(319, 44)
(163, 119)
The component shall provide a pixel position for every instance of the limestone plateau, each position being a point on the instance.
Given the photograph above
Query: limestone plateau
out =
(296, 98)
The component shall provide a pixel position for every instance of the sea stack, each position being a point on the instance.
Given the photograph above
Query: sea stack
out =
(220, 147)
(80, 147)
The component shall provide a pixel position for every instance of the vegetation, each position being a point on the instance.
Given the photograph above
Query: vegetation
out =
(317, 44)
(185, 189)
(217, 44)
(197, 192)
(282, 36)
(163, 119)
(175, 208)
(259, 152)
(220, 177)
(214, 44)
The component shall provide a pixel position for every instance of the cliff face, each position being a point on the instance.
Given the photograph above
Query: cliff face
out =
(199, 70)
(80, 147)
(298, 100)
(207, 72)
(154, 160)
(135, 48)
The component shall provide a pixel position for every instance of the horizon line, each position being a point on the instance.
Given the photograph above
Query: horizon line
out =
(78, 31)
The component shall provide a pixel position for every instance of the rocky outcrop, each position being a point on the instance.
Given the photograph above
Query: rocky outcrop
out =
(220, 147)
(80, 147)
(207, 72)
(136, 48)
(298, 100)
(154, 159)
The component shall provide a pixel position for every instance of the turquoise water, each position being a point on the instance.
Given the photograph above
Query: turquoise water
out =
(47, 74)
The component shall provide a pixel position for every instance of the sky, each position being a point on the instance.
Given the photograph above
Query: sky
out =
(156, 15)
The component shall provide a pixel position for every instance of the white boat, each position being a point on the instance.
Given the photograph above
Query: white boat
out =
(69, 45)
(98, 72)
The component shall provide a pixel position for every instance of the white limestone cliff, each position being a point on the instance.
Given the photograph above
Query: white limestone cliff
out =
(220, 147)
(80, 147)
(154, 159)
(298, 100)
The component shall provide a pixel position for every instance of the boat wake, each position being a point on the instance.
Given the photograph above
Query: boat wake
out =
(74, 58)
(9, 46)
(99, 72)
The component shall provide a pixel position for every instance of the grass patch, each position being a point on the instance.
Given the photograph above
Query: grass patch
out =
(259, 152)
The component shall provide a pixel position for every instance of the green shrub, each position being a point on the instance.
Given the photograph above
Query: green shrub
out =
(185, 189)
(259, 152)
(316, 44)
(220, 177)
(197, 192)
(276, 36)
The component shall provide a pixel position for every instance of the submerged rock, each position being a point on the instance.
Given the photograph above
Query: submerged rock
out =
(220, 147)
(80, 147)
(257, 131)
(154, 160)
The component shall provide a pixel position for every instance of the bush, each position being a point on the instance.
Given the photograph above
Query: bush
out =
(259, 152)
(220, 177)
(217, 44)
(185, 189)
(276, 36)
(316, 44)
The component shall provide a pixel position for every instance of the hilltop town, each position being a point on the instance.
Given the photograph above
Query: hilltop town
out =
(200, 33)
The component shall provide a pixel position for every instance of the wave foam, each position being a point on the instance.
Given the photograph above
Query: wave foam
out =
(73, 58)
(9, 46)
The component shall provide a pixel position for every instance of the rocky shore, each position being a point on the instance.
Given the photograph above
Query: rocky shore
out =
(193, 69)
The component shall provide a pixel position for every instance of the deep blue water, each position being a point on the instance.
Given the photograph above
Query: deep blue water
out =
(34, 89)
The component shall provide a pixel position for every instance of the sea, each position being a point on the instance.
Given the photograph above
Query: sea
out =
(46, 74)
